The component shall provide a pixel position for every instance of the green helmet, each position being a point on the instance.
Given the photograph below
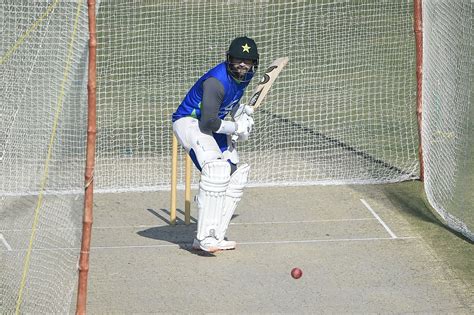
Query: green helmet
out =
(243, 48)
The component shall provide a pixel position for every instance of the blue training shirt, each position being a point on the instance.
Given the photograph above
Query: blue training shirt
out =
(233, 91)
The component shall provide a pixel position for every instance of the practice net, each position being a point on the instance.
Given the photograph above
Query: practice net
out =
(342, 111)
(448, 116)
(43, 51)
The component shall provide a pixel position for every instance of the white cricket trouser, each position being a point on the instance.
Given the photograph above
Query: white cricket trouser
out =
(205, 147)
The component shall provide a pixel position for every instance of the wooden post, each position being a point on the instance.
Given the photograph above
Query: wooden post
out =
(90, 162)
(187, 190)
(418, 28)
(174, 175)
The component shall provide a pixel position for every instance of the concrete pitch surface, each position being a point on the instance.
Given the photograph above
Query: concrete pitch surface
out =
(358, 251)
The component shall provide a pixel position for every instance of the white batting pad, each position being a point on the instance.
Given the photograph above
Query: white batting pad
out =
(215, 178)
(233, 194)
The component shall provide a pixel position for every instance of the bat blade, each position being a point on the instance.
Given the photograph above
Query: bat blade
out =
(261, 90)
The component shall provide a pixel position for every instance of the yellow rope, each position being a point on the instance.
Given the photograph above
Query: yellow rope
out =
(59, 106)
(22, 38)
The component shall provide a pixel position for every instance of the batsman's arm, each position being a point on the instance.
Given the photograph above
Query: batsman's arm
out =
(213, 94)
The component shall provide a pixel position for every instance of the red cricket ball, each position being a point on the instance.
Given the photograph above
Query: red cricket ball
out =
(296, 273)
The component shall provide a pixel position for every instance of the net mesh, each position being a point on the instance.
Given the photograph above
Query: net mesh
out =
(340, 112)
(448, 129)
(42, 141)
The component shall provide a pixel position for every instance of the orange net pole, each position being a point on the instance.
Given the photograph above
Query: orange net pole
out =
(418, 28)
(90, 161)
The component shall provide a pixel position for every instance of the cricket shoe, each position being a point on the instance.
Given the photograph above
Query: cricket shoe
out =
(211, 245)
(226, 245)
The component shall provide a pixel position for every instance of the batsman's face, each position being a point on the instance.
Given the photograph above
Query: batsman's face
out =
(241, 66)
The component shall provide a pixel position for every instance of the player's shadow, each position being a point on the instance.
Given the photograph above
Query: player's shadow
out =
(179, 234)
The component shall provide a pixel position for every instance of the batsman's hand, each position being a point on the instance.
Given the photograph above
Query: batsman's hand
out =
(244, 127)
(243, 109)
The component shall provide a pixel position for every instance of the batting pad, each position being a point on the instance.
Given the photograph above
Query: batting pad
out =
(215, 178)
(233, 194)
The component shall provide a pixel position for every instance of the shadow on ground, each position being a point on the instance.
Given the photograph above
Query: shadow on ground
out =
(411, 200)
(179, 234)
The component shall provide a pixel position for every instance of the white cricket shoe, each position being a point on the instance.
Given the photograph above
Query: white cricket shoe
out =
(211, 245)
(226, 245)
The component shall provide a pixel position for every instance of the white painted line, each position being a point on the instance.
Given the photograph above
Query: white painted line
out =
(299, 222)
(266, 242)
(231, 223)
(4, 241)
(378, 218)
(192, 222)
(330, 240)
(188, 245)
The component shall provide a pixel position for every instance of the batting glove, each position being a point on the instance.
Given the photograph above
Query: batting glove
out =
(243, 109)
(244, 127)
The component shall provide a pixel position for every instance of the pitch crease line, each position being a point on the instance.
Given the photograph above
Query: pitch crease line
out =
(378, 218)
(181, 225)
(267, 242)
(233, 223)
(329, 240)
(302, 221)
(239, 243)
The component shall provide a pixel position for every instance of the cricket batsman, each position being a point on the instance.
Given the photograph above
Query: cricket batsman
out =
(199, 125)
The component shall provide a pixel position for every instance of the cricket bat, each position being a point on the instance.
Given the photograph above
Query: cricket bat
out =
(270, 75)
(262, 88)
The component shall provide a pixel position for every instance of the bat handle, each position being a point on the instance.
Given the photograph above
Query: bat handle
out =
(239, 111)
